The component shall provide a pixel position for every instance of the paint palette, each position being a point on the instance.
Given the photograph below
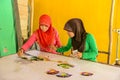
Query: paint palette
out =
(86, 73)
(63, 75)
(52, 71)
(65, 65)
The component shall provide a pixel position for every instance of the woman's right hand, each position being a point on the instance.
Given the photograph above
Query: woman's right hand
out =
(53, 47)
(20, 52)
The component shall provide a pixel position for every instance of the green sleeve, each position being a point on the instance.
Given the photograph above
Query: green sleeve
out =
(92, 51)
(65, 48)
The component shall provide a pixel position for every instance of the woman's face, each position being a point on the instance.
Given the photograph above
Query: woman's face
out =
(44, 28)
(71, 34)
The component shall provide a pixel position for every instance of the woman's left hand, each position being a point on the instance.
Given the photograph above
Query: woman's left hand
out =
(79, 55)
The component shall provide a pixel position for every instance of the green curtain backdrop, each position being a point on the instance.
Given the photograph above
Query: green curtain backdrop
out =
(7, 29)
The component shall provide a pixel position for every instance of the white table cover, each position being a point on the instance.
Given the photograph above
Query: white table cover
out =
(14, 68)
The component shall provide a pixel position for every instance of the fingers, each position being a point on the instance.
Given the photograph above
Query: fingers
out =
(73, 55)
(20, 52)
(53, 47)
(60, 53)
(79, 55)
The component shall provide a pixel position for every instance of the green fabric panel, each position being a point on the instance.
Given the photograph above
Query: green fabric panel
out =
(7, 29)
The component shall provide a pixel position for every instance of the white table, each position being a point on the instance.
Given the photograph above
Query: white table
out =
(14, 68)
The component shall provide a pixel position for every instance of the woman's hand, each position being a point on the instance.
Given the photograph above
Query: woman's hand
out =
(79, 55)
(20, 52)
(60, 53)
(53, 47)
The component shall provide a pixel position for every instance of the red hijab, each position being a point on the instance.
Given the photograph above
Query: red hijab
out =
(45, 39)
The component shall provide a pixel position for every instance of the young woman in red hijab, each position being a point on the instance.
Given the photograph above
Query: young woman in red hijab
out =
(46, 36)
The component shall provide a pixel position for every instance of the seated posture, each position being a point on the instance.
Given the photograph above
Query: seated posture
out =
(46, 36)
(81, 42)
